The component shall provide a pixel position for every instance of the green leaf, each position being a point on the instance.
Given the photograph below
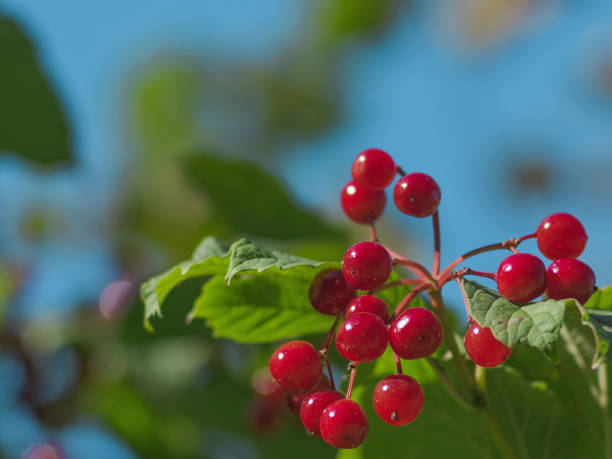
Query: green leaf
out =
(601, 299)
(267, 307)
(590, 330)
(539, 324)
(213, 257)
(535, 324)
(252, 201)
(33, 124)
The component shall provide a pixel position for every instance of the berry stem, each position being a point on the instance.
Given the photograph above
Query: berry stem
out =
(479, 273)
(324, 349)
(436, 231)
(349, 390)
(373, 235)
(398, 363)
(397, 284)
(407, 299)
(420, 270)
(401, 172)
(509, 244)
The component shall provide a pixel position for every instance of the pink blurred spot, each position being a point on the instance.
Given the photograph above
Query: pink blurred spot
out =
(116, 297)
(43, 451)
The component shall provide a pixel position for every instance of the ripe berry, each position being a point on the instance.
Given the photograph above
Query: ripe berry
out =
(374, 169)
(521, 277)
(362, 205)
(561, 236)
(415, 334)
(368, 303)
(570, 278)
(417, 194)
(398, 399)
(294, 401)
(329, 293)
(362, 337)
(313, 406)
(344, 424)
(366, 265)
(296, 366)
(483, 348)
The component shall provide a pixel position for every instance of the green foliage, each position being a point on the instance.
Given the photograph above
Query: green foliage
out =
(33, 124)
(601, 299)
(215, 258)
(538, 324)
(230, 185)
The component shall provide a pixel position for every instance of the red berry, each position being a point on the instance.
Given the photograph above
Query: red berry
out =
(374, 169)
(368, 303)
(366, 265)
(398, 399)
(561, 236)
(521, 277)
(329, 293)
(362, 205)
(570, 278)
(362, 337)
(294, 401)
(344, 424)
(416, 333)
(417, 194)
(313, 406)
(296, 366)
(483, 348)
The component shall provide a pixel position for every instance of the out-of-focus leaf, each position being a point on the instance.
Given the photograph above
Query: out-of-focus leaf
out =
(353, 18)
(252, 201)
(601, 299)
(32, 122)
(214, 257)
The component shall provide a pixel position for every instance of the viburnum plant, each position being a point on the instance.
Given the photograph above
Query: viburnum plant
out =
(367, 322)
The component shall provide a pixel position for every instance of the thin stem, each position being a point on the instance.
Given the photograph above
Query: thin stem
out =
(480, 375)
(479, 273)
(401, 171)
(398, 363)
(324, 349)
(398, 284)
(443, 277)
(373, 235)
(331, 374)
(448, 384)
(436, 231)
(349, 390)
(417, 268)
(408, 298)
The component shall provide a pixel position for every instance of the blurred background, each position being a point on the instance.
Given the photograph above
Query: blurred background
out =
(131, 130)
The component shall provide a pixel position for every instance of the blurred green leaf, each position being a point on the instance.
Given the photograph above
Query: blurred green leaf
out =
(33, 124)
(601, 299)
(214, 257)
(253, 201)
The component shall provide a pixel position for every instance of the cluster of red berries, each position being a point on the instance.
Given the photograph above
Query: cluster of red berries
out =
(416, 332)
(522, 277)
